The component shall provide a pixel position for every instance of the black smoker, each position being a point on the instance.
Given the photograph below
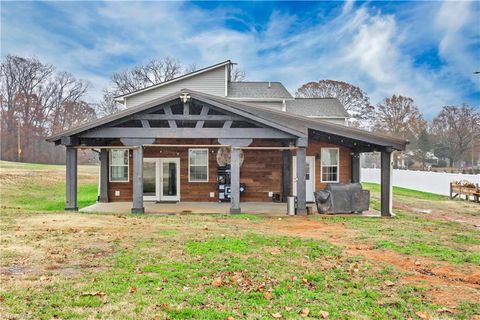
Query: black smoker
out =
(223, 184)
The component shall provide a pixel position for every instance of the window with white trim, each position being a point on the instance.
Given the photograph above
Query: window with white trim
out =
(198, 165)
(329, 164)
(119, 165)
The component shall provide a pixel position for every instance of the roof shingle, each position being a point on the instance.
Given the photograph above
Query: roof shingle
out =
(258, 90)
(317, 107)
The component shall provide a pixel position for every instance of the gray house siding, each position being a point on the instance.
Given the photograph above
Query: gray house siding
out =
(210, 82)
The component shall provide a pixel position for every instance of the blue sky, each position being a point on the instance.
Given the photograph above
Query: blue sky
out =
(425, 50)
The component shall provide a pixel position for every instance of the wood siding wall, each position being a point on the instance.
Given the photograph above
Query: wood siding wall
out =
(210, 82)
(261, 171)
(345, 168)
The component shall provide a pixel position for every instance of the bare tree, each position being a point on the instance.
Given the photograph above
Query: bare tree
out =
(354, 99)
(108, 105)
(190, 68)
(399, 117)
(457, 129)
(153, 72)
(422, 146)
(141, 76)
(237, 75)
(34, 100)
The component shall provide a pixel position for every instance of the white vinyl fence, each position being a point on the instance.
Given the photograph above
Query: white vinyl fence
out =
(433, 182)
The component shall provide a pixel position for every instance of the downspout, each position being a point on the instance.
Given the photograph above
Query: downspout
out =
(284, 106)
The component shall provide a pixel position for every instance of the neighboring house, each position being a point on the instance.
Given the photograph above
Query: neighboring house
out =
(176, 140)
(215, 80)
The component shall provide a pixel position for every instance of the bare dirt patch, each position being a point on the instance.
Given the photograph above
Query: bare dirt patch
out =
(440, 277)
(455, 211)
(65, 244)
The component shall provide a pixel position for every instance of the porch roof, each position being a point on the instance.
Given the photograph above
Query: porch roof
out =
(296, 125)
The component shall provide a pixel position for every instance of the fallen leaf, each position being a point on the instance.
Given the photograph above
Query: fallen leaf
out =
(132, 290)
(267, 295)
(421, 315)
(389, 283)
(445, 310)
(217, 282)
(94, 294)
(230, 318)
(159, 289)
(305, 312)
(288, 308)
(324, 314)
(276, 315)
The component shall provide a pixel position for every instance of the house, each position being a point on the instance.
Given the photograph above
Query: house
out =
(175, 139)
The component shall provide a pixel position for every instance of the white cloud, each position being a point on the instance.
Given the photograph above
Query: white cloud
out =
(356, 43)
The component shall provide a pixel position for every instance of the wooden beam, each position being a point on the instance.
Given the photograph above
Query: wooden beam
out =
(386, 184)
(187, 145)
(168, 112)
(235, 181)
(261, 133)
(137, 205)
(71, 176)
(355, 159)
(227, 124)
(286, 171)
(267, 148)
(103, 197)
(188, 117)
(205, 110)
(301, 187)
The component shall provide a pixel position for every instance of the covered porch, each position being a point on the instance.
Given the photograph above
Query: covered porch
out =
(195, 116)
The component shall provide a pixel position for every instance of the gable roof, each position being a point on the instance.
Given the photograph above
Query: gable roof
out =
(294, 124)
(317, 107)
(258, 90)
(302, 123)
(182, 77)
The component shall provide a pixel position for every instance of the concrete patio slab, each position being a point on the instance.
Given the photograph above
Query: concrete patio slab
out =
(267, 208)
(263, 208)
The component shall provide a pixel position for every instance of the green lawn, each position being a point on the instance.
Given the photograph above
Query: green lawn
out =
(40, 187)
(398, 191)
(66, 265)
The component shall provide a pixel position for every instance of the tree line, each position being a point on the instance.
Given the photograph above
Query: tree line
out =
(451, 138)
(37, 100)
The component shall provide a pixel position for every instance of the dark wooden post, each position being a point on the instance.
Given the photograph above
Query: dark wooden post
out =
(386, 183)
(355, 167)
(103, 175)
(301, 188)
(71, 176)
(286, 178)
(137, 206)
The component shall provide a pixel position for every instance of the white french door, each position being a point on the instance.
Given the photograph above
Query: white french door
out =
(161, 179)
(309, 177)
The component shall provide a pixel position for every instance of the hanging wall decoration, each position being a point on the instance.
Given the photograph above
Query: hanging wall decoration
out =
(223, 156)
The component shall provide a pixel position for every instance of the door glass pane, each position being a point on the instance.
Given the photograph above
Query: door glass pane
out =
(169, 176)
(149, 185)
(307, 170)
